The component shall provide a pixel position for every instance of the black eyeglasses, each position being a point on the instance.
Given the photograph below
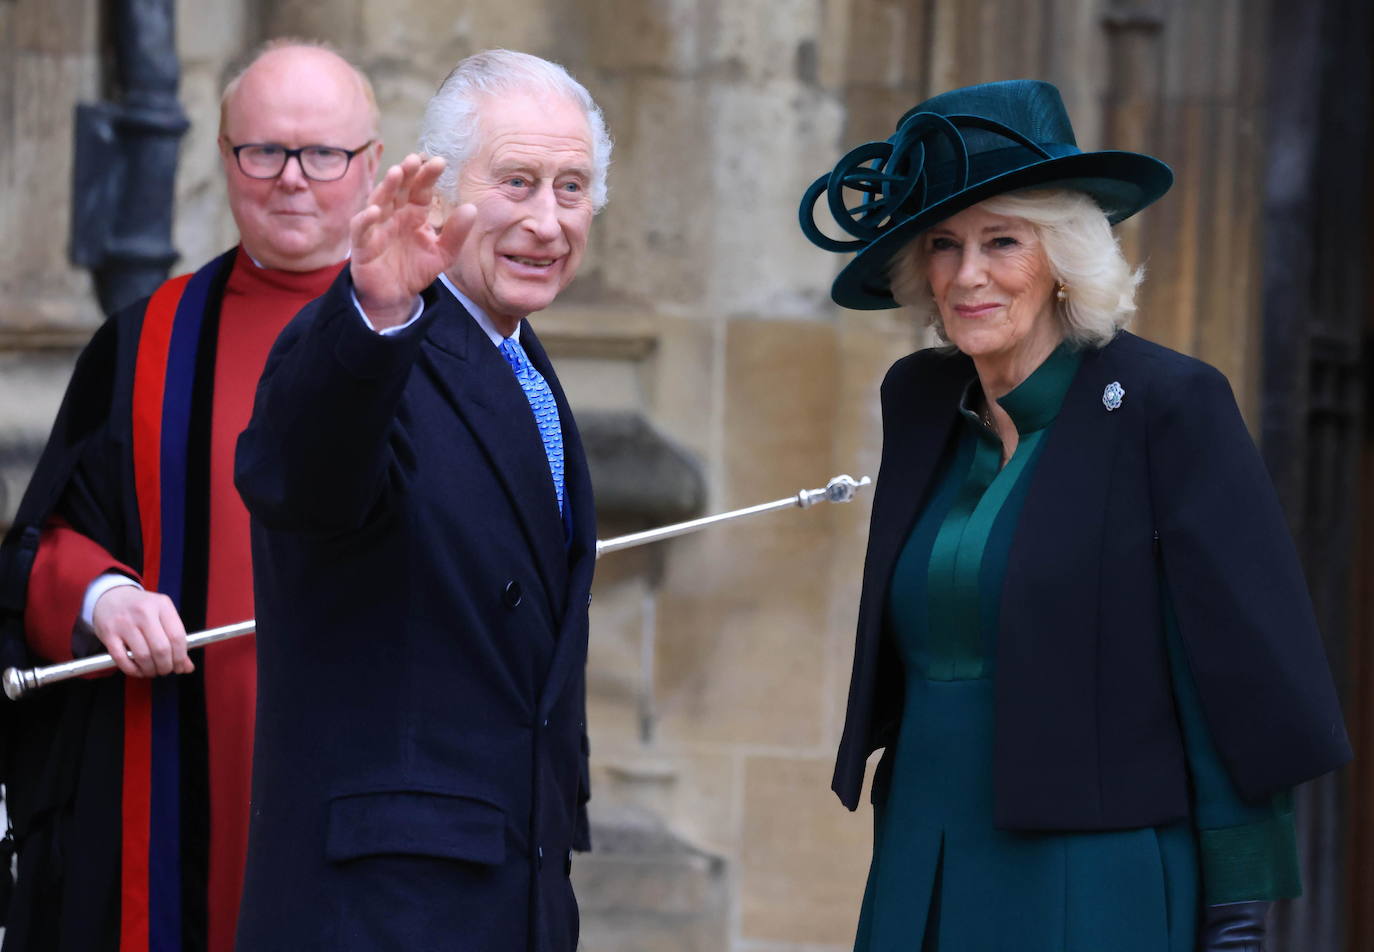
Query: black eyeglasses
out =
(319, 163)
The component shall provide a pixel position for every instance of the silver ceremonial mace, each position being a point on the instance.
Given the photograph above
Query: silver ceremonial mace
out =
(21, 681)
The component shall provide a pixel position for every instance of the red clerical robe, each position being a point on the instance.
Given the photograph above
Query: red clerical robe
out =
(256, 304)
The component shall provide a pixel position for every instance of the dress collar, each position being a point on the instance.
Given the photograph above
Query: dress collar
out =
(1034, 402)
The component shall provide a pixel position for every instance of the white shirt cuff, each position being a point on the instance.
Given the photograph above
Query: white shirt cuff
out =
(388, 331)
(100, 586)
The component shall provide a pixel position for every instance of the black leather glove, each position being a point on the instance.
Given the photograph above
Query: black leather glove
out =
(1233, 927)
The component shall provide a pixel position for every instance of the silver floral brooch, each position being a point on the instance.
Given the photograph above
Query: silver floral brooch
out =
(1111, 397)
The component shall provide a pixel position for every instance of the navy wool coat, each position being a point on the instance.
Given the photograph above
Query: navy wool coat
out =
(419, 772)
(1166, 490)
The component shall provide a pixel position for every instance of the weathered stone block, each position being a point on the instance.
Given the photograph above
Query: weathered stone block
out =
(619, 681)
(695, 791)
(767, 144)
(31, 388)
(644, 889)
(741, 634)
(666, 37)
(211, 32)
(780, 408)
(805, 858)
(56, 28)
(656, 232)
(765, 42)
(889, 41)
(38, 288)
(685, 391)
(428, 39)
(338, 22)
(203, 226)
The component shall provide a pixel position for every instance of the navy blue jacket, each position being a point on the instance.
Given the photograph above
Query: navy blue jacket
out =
(1166, 489)
(419, 770)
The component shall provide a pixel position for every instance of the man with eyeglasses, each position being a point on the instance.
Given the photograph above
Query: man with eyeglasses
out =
(135, 836)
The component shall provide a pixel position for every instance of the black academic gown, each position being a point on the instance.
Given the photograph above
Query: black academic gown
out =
(64, 765)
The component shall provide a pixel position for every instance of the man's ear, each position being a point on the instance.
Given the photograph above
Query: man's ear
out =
(372, 159)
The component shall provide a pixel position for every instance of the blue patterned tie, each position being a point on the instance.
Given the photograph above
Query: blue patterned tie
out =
(545, 409)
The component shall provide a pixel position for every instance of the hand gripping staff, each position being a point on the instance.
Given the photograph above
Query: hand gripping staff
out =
(20, 681)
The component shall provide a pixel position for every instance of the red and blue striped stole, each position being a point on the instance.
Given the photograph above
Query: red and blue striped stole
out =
(151, 915)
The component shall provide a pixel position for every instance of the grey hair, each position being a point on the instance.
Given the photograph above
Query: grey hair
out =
(1083, 253)
(450, 126)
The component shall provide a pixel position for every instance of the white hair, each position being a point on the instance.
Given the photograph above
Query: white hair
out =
(450, 128)
(1083, 253)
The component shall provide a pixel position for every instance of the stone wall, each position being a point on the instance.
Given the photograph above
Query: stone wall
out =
(720, 661)
(48, 61)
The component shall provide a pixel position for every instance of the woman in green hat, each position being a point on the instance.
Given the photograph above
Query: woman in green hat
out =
(1084, 639)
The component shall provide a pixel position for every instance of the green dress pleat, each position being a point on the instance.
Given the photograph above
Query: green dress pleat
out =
(943, 879)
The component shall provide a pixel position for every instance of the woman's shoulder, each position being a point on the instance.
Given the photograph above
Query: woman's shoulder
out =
(1166, 374)
(1156, 358)
(1160, 362)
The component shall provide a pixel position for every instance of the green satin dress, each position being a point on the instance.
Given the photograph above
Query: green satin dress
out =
(943, 878)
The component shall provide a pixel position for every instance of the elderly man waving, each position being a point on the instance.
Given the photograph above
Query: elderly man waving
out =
(424, 538)
(129, 796)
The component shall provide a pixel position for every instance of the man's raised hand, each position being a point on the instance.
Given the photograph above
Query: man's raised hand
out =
(397, 252)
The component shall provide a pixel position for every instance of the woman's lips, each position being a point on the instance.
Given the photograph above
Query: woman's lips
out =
(974, 310)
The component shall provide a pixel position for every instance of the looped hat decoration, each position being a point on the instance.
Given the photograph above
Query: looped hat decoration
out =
(951, 152)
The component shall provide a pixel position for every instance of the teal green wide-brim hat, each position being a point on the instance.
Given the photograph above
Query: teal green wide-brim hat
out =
(951, 152)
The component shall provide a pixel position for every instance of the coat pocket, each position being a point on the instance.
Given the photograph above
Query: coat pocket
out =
(415, 823)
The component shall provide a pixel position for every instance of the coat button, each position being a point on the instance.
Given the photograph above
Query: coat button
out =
(512, 594)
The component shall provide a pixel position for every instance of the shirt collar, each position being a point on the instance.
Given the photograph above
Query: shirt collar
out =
(479, 315)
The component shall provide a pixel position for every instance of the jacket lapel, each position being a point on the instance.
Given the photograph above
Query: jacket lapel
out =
(577, 483)
(571, 652)
(1069, 488)
(919, 410)
(483, 390)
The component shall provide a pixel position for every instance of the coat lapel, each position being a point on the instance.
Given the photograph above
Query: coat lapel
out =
(919, 415)
(577, 482)
(919, 400)
(571, 652)
(1070, 487)
(480, 385)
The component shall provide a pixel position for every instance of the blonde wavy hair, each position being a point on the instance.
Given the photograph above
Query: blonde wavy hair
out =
(1083, 253)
